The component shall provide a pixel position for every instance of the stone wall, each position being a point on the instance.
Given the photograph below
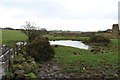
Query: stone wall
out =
(115, 31)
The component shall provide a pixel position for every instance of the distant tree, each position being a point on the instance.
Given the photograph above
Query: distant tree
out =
(9, 28)
(44, 29)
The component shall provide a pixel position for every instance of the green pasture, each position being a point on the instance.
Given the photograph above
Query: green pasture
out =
(95, 64)
(10, 37)
(99, 64)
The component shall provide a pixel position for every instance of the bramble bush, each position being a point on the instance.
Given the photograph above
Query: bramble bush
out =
(40, 49)
(99, 39)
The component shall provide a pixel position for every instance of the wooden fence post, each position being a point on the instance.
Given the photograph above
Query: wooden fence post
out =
(10, 65)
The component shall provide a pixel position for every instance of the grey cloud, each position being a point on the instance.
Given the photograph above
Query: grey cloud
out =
(43, 9)
(48, 9)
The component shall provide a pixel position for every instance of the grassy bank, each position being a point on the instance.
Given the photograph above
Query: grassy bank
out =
(87, 64)
(10, 37)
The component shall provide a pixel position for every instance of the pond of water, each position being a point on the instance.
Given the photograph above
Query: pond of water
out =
(76, 44)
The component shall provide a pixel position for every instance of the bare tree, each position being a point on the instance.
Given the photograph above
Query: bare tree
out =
(31, 31)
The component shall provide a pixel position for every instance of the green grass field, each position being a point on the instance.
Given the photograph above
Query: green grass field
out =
(83, 64)
(95, 64)
(10, 37)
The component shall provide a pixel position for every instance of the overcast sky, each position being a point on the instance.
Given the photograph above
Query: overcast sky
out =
(74, 15)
